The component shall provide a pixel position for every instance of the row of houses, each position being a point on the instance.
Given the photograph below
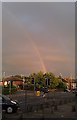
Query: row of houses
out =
(18, 82)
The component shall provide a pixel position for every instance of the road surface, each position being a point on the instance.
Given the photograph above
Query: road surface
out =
(25, 98)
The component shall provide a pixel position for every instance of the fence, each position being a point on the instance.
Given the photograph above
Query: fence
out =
(41, 106)
(51, 104)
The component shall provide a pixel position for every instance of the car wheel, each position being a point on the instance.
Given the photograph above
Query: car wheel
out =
(9, 110)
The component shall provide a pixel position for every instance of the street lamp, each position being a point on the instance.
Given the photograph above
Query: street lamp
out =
(23, 83)
(23, 80)
(9, 87)
(3, 74)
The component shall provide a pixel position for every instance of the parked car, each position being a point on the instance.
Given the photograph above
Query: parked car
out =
(8, 105)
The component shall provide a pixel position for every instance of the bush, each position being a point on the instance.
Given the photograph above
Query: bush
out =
(29, 87)
(6, 90)
(62, 86)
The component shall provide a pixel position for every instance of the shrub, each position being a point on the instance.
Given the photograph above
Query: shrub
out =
(29, 87)
(6, 90)
(62, 86)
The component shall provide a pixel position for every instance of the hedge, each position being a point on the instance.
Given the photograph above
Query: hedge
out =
(6, 90)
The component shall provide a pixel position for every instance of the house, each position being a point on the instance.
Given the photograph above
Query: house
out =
(12, 80)
(70, 83)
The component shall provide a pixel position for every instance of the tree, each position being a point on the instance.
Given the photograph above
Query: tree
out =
(40, 79)
(48, 79)
(62, 85)
(52, 80)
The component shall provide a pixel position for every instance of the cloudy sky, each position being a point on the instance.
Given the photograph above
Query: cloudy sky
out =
(38, 37)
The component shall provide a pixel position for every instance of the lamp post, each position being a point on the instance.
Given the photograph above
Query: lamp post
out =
(23, 83)
(23, 80)
(9, 88)
(3, 74)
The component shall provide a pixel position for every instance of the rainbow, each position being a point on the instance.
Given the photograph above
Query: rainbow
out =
(29, 36)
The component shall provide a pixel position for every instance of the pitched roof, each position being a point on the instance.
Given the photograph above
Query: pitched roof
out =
(13, 78)
(70, 80)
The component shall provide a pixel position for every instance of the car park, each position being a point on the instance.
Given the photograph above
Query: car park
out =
(8, 105)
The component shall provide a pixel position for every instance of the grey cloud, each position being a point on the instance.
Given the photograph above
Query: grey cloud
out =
(30, 29)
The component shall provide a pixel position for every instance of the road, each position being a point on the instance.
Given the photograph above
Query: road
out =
(25, 98)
